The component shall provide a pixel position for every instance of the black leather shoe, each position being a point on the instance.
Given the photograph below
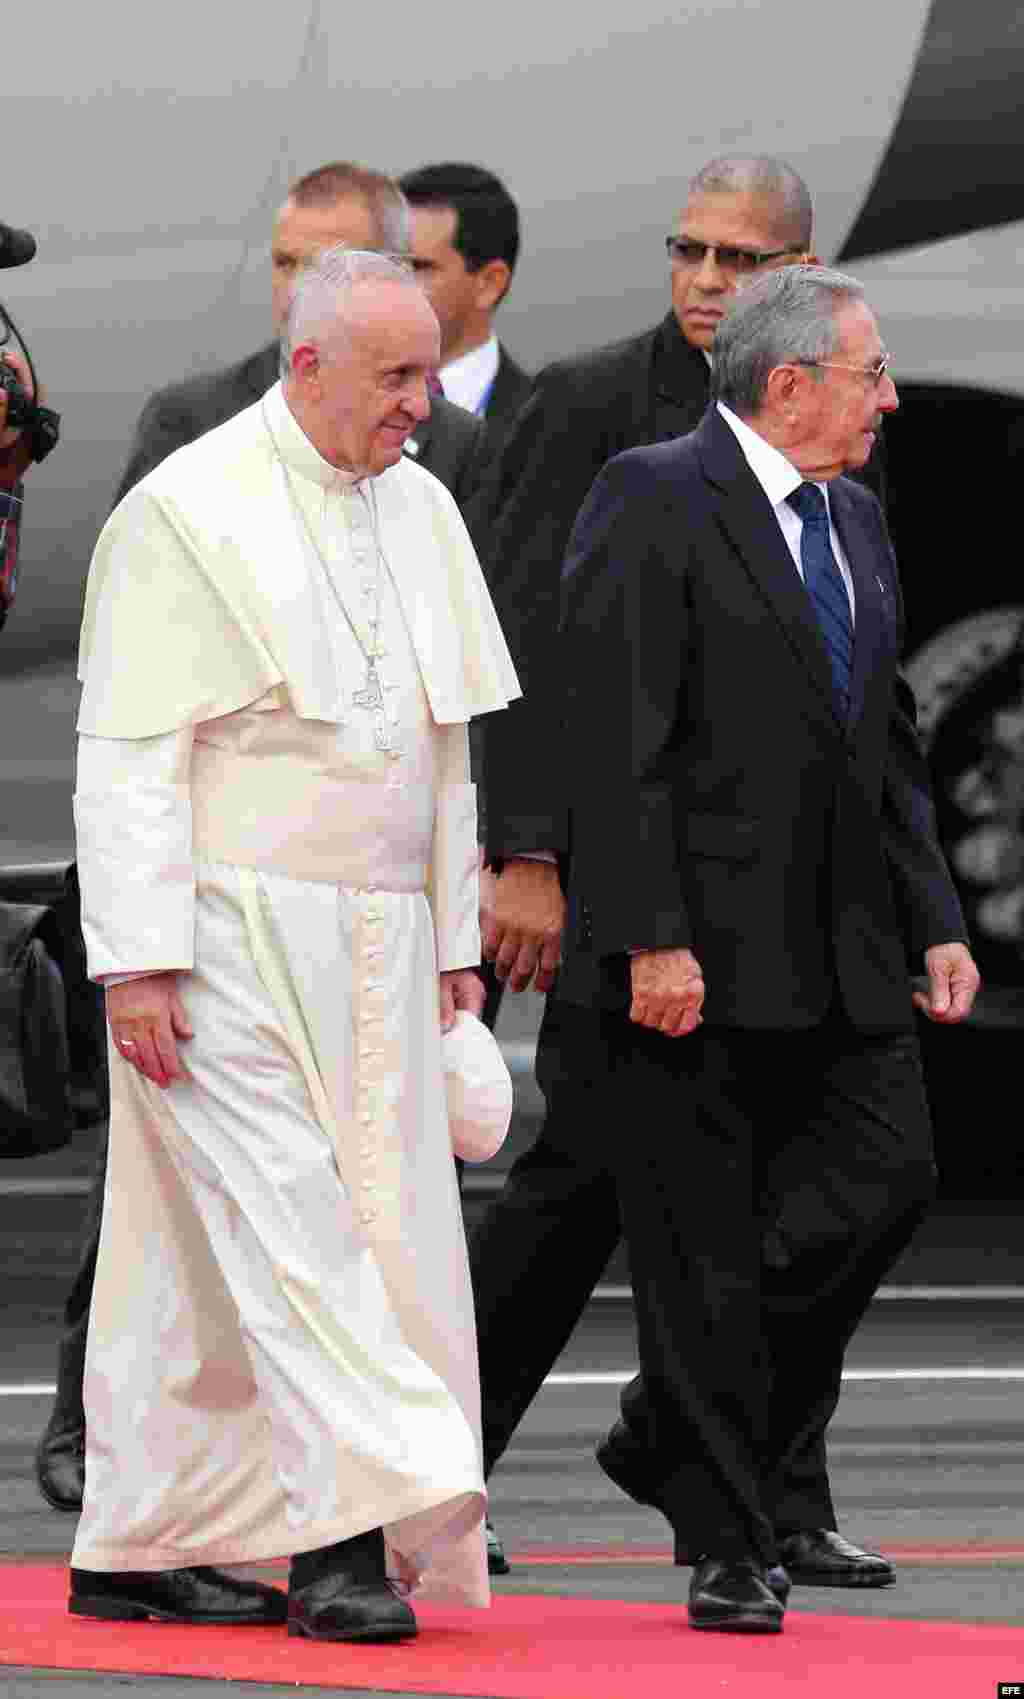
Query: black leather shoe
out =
(497, 1562)
(174, 1595)
(60, 1462)
(629, 1465)
(342, 1592)
(819, 1557)
(734, 1596)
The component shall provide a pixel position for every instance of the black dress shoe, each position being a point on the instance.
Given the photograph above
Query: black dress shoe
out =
(174, 1595)
(819, 1557)
(497, 1562)
(628, 1464)
(60, 1462)
(733, 1596)
(342, 1592)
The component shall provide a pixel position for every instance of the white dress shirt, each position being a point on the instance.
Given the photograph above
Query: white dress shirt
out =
(468, 381)
(778, 478)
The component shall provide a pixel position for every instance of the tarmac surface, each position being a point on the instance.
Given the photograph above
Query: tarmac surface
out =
(927, 1451)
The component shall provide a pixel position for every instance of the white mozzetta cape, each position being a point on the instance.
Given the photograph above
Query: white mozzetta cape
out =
(207, 551)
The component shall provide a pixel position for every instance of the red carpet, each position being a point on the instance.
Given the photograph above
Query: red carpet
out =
(534, 1648)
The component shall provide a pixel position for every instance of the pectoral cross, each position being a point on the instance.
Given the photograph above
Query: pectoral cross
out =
(371, 697)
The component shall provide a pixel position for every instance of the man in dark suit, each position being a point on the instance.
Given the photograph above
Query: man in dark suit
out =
(465, 243)
(754, 875)
(340, 203)
(543, 1244)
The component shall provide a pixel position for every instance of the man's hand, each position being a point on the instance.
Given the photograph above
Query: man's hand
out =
(146, 1016)
(460, 989)
(15, 446)
(668, 991)
(953, 982)
(522, 913)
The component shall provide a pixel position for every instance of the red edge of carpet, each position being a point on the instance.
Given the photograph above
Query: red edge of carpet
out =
(529, 1647)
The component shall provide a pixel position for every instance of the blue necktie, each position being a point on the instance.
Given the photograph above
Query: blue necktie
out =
(825, 587)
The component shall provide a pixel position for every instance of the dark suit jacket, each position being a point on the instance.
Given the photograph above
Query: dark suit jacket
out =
(449, 443)
(580, 414)
(716, 799)
(508, 392)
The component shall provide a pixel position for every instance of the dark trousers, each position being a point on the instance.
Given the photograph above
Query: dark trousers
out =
(767, 1182)
(542, 1246)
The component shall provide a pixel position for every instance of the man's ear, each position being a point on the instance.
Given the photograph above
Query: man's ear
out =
(305, 362)
(782, 386)
(492, 281)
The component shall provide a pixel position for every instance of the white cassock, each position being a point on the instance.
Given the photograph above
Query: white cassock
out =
(281, 1344)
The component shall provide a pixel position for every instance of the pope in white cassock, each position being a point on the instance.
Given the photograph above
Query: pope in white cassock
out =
(286, 631)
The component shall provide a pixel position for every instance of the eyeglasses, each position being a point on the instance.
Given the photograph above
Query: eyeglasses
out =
(686, 250)
(876, 372)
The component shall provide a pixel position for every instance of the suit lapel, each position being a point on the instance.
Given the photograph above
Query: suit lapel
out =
(869, 621)
(679, 383)
(745, 515)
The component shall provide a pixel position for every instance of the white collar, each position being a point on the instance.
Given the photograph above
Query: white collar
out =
(295, 448)
(467, 381)
(777, 476)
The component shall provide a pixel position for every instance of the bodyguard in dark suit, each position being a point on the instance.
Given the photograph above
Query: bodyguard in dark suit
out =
(465, 244)
(544, 1243)
(464, 241)
(754, 876)
(340, 203)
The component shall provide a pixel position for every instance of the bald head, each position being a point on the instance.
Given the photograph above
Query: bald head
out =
(743, 214)
(782, 190)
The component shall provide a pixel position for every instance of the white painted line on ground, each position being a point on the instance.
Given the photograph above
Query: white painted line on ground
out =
(619, 1377)
(901, 1294)
(39, 1188)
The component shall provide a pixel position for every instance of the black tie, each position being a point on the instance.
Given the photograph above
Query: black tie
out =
(825, 586)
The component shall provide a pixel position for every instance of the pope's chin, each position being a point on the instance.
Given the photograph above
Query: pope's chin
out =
(387, 450)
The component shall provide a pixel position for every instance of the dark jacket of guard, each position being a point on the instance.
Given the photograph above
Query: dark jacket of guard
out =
(509, 391)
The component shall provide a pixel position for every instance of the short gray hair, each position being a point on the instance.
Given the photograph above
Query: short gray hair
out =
(342, 180)
(785, 194)
(786, 315)
(322, 288)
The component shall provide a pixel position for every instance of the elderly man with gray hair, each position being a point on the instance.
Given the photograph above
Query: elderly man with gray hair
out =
(286, 632)
(755, 878)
